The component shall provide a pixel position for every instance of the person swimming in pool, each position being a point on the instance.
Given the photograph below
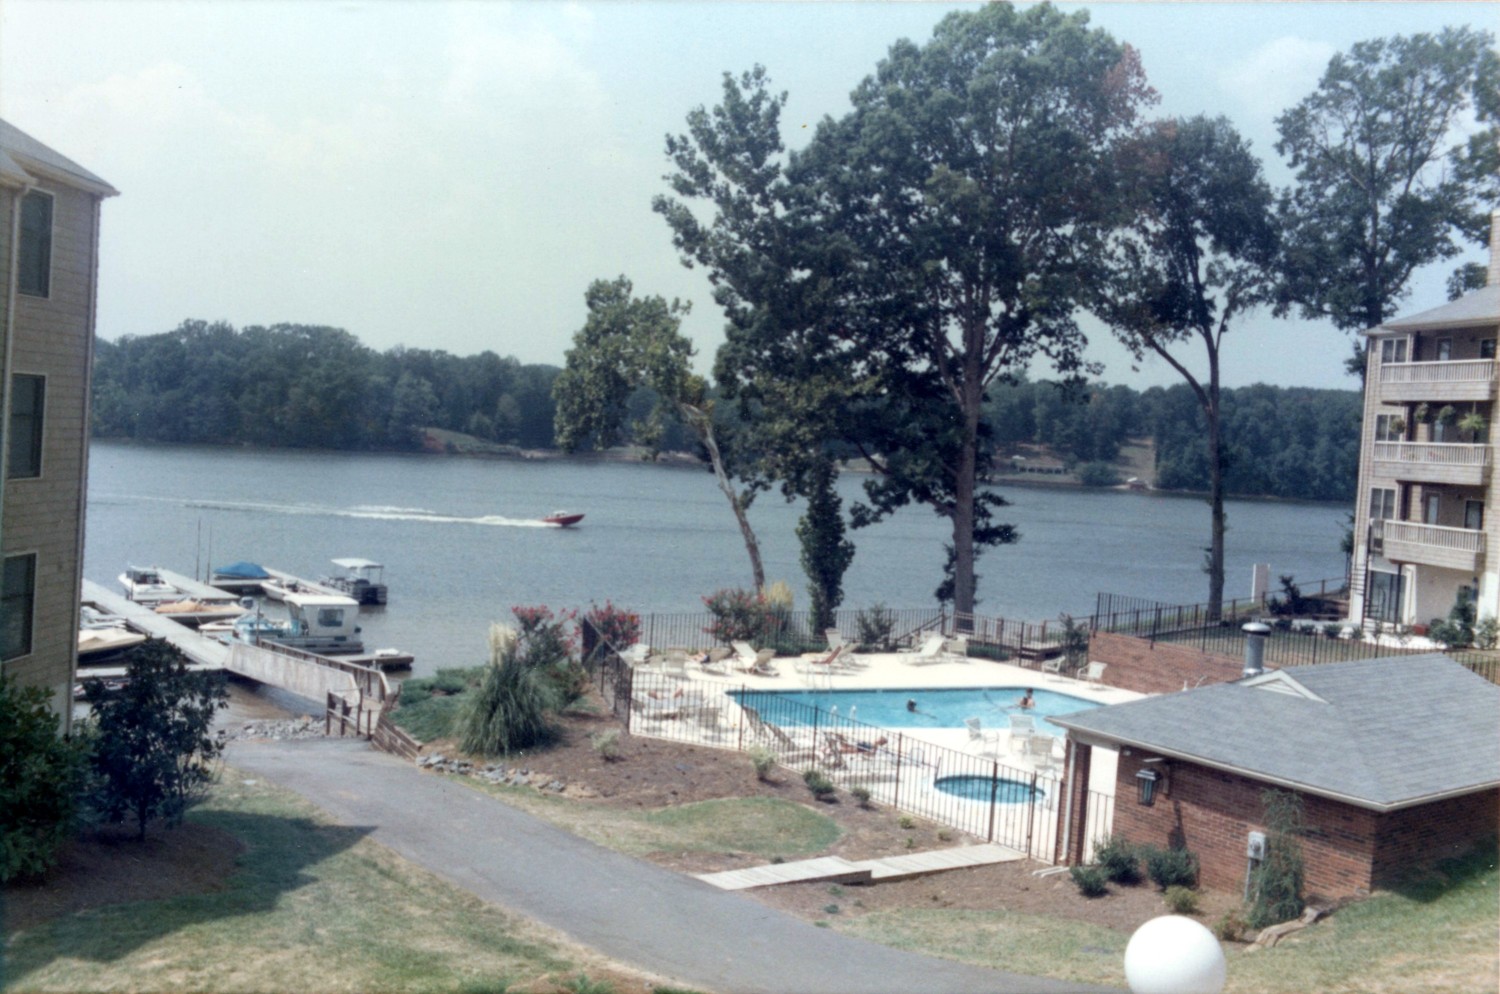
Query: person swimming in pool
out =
(911, 705)
(1028, 701)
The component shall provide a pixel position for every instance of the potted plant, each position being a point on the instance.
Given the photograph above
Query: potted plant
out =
(1398, 425)
(1446, 414)
(1472, 425)
(1422, 413)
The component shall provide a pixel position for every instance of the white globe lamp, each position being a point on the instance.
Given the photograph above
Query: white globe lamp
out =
(1174, 955)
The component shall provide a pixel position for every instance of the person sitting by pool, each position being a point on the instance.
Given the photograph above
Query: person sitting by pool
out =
(1028, 701)
(864, 748)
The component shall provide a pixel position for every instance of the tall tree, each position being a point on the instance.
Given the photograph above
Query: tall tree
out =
(1371, 203)
(1200, 254)
(627, 343)
(930, 243)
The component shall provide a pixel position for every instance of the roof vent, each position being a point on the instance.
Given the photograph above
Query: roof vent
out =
(1255, 648)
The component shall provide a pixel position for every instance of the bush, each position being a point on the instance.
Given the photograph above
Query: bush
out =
(1276, 884)
(1457, 630)
(1487, 633)
(1229, 927)
(875, 627)
(1120, 860)
(861, 794)
(444, 683)
(740, 616)
(821, 787)
(1172, 868)
(1098, 474)
(40, 774)
(509, 710)
(606, 744)
(1091, 880)
(764, 761)
(1181, 900)
(151, 753)
(546, 646)
(616, 626)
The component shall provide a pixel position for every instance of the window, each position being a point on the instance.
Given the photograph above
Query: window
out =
(1486, 348)
(1474, 515)
(1385, 428)
(1393, 350)
(1444, 349)
(35, 262)
(28, 396)
(1382, 503)
(1432, 507)
(17, 604)
(1384, 601)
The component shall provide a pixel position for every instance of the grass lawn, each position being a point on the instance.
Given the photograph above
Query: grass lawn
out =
(1428, 938)
(310, 906)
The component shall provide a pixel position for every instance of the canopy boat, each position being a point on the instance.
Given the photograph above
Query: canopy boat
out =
(362, 579)
(316, 622)
(562, 519)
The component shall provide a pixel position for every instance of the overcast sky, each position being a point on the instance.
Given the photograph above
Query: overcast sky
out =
(453, 175)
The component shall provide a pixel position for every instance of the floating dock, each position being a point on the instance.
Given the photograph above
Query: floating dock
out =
(194, 590)
(202, 652)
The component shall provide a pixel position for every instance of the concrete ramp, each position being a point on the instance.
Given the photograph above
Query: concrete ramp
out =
(833, 869)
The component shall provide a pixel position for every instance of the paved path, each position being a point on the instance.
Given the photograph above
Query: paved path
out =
(655, 920)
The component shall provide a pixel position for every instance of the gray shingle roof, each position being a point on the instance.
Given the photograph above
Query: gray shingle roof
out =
(1380, 733)
(1481, 306)
(18, 147)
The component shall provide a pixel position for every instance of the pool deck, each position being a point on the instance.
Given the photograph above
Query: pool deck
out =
(891, 670)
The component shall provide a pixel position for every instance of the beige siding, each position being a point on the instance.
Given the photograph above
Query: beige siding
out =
(51, 338)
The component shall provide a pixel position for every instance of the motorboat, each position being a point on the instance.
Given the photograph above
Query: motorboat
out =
(104, 643)
(195, 612)
(562, 519)
(239, 577)
(362, 579)
(145, 585)
(277, 589)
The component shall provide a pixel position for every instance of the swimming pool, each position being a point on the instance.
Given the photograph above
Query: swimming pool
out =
(935, 708)
(1002, 790)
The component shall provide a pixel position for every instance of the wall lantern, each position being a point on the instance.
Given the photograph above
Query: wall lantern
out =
(1146, 780)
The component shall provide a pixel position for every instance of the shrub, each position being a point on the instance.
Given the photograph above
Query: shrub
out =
(1091, 880)
(1098, 474)
(1172, 867)
(40, 774)
(509, 710)
(444, 683)
(1120, 860)
(764, 761)
(1181, 900)
(1229, 927)
(907, 822)
(875, 627)
(1276, 884)
(821, 787)
(616, 626)
(1457, 630)
(740, 616)
(1487, 633)
(606, 744)
(860, 793)
(546, 646)
(151, 754)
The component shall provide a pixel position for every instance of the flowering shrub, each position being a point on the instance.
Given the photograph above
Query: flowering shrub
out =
(740, 616)
(620, 628)
(547, 634)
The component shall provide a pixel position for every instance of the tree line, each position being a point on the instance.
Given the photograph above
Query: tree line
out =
(299, 386)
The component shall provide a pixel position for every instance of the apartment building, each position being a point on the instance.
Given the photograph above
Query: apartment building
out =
(1427, 525)
(49, 250)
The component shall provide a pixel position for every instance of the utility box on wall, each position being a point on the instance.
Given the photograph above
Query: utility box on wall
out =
(1255, 848)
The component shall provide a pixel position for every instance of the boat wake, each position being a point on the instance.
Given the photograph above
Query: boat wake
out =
(375, 512)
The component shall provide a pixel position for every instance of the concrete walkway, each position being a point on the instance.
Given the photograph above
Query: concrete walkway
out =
(664, 923)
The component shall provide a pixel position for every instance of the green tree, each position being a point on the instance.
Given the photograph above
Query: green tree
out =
(826, 553)
(930, 243)
(627, 343)
(1371, 204)
(152, 754)
(1199, 255)
(40, 775)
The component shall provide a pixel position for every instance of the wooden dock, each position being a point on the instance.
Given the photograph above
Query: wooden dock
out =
(194, 590)
(305, 585)
(202, 651)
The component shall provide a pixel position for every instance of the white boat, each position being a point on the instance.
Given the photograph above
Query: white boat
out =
(145, 585)
(362, 579)
(106, 643)
(322, 623)
(195, 612)
(277, 589)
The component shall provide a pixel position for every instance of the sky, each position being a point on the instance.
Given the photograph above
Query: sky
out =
(453, 175)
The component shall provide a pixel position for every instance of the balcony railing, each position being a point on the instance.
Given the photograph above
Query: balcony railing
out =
(1430, 545)
(1462, 379)
(1433, 462)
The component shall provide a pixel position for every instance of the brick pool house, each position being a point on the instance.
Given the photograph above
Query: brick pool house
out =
(1397, 762)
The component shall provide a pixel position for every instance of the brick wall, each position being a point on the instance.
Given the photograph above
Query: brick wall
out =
(1158, 668)
(1347, 851)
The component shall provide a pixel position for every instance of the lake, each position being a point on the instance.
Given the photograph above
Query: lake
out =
(461, 544)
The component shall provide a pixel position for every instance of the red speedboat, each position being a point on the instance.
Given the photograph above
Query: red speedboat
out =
(562, 518)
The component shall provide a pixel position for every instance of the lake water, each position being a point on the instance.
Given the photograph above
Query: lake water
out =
(461, 546)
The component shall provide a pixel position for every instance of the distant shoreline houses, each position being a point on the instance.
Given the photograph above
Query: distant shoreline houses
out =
(49, 241)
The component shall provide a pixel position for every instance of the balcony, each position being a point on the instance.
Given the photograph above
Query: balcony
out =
(1446, 382)
(1428, 545)
(1453, 463)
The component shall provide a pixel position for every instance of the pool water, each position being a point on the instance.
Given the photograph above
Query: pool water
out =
(978, 788)
(935, 708)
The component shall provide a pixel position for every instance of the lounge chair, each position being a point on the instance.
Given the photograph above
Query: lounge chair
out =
(674, 663)
(932, 651)
(979, 739)
(1054, 666)
(1039, 748)
(747, 660)
(1022, 728)
(636, 655)
(1093, 673)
